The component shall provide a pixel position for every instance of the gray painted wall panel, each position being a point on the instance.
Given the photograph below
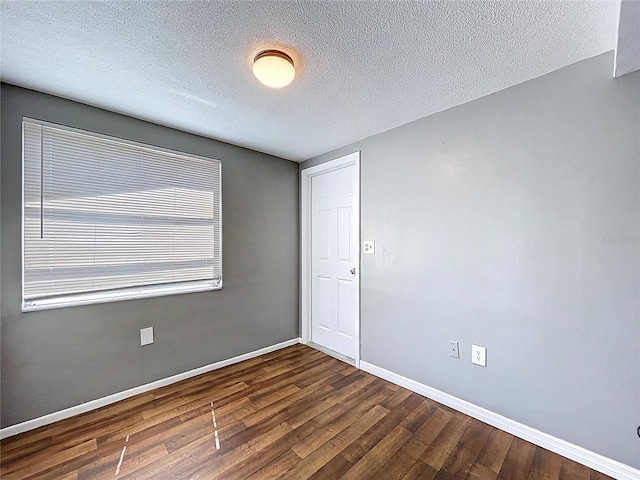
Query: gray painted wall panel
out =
(59, 358)
(492, 223)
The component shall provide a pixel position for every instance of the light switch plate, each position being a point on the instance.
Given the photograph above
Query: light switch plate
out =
(479, 355)
(369, 246)
(146, 336)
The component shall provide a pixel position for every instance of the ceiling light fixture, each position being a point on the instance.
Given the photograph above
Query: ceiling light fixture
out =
(274, 68)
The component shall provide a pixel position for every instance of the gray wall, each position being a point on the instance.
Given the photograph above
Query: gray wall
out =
(492, 223)
(59, 358)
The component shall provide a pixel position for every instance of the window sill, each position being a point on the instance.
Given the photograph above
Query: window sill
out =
(120, 295)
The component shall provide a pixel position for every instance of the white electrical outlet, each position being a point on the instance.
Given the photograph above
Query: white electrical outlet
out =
(479, 355)
(453, 350)
(146, 336)
(369, 246)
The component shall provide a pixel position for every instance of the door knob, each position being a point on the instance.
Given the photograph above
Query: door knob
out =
(353, 271)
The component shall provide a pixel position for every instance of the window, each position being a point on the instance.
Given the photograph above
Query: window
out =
(106, 219)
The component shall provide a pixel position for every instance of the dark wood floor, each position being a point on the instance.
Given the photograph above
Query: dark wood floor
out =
(291, 414)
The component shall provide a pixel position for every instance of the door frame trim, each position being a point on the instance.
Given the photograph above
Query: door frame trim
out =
(306, 176)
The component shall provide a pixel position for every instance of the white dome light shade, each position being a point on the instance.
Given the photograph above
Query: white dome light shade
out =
(274, 68)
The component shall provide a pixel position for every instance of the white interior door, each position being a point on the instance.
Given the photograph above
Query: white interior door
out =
(334, 260)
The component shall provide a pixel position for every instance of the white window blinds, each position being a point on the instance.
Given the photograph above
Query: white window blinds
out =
(106, 219)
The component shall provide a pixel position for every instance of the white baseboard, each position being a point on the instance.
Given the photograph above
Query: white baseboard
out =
(116, 397)
(581, 455)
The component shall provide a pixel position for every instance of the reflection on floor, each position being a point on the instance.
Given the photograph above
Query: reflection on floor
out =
(291, 414)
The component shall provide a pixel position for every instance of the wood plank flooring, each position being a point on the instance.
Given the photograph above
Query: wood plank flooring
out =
(291, 414)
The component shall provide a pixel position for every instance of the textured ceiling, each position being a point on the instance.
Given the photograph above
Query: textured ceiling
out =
(363, 67)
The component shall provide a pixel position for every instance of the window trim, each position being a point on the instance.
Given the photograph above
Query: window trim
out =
(119, 294)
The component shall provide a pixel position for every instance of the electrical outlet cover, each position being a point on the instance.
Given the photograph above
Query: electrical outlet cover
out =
(479, 355)
(146, 336)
